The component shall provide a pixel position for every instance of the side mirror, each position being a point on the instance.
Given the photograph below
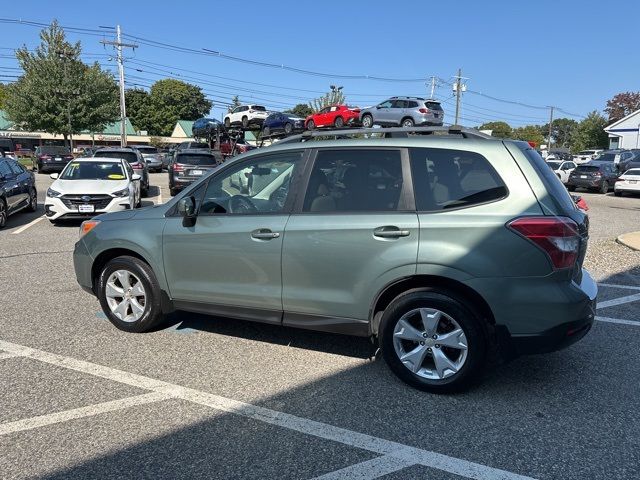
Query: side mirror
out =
(54, 176)
(135, 177)
(187, 208)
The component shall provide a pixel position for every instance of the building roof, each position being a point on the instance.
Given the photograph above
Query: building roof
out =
(186, 126)
(626, 122)
(114, 128)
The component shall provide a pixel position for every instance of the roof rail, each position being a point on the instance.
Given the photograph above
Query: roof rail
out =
(393, 132)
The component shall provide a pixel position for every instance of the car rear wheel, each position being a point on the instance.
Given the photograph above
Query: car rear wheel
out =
(33, 200)
(433, 341)
(3, 213)
(571, 188)
(407, 123)
(266, 131)
(129, 294)
(227, 122)
(173, 192)
(288, 128)
(338, 122)
(604, 188)
(617, 194)
(367, 121)
(245, 122)
(311, 125)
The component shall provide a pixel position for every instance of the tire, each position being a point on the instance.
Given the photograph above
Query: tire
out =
(173, 192)
(617, 194)
(311, 125)
(604, 188)
(245, 122)
(3, 213)
(266, 132)
(144, 190)
(288, 128)
(468, 357)
(140, 316)
(571, 188)
(227, 122)
(33, 201)
(338, 122)
(407, 123)
(40, 168)
(367, 121)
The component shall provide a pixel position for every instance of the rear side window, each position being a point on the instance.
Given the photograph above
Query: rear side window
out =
(412, 104)
(551, 182)
(16, 168)
(355, 180)
(445, 179)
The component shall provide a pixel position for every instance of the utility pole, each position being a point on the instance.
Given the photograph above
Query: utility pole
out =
(433, 86)
(123, 109)
(550, 131)
(67, 94)
(458, 88)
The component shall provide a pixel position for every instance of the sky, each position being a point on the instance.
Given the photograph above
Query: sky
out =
(574, 55)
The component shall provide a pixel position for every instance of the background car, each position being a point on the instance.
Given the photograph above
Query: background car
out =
(561, 169)
(206, 127)
(628, 182)
(135, 159)
(52, 157)
(586, 155)
(246, 116)
(230, 147)
(152, 157)
(279, 122)
(333, 116)
(403, 111)
(192, 145)
(190, 165)
(89, 186)
(17, 189)
(628, 158)
(600, 176)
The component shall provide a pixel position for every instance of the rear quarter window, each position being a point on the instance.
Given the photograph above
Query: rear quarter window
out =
(549, 179)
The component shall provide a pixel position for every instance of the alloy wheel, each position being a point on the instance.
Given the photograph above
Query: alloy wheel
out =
(125, 296)
(430, 343)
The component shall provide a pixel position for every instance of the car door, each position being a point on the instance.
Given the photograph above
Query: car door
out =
(321, 118)
(23, 179)
(9, 185)
(397, 111)
(229, 262)
(383, 113)
(354, 231)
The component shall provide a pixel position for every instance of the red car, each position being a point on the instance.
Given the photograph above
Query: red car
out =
(334, 116)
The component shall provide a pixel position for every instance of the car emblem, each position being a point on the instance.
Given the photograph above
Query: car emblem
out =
(85, 198)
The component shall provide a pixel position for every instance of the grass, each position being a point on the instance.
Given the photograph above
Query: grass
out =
(26, 162)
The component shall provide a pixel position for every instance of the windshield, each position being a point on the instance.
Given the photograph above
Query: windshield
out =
(93, 171)
(587, 169)
(586, 152)
(147, 149)
(554, 165)
(53, 150)
(433, 106)
(259, 108)
(128, 156)
(633, 171)
(605, 157)
(196, 159)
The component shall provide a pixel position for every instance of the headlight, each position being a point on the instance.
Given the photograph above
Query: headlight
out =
(52, 193)
(121, 193)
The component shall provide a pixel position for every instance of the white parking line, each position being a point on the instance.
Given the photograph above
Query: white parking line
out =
(30, 224)
(5, 355)
(627, 287)
(350, 438)
(619, 301)
(621, 321)
(89, 411)
(374, 468)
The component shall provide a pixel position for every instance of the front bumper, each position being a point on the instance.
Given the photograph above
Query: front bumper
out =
(55, 209)
(52, 164)
(82, 264)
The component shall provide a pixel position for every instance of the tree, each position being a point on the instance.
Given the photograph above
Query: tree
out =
(334, 97)
(562, 131)
(172, 100)
(3, 94)
(499, 129)
(235, 102)
(301, 110)
(138, 104)
(529, 133)
(590, 133)
(622, 105)
(58, 93)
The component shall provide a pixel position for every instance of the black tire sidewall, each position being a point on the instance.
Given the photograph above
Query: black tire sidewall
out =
(153, 311)
(604, 188)
(266, 131)
(338, 122)
(311, 125)
(364, 121)
(33, 208)
(463, 315)
(288, 128)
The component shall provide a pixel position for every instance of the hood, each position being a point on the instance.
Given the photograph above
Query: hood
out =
(88, 187)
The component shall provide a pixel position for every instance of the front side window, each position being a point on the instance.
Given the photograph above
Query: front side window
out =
(355, 180)
(16, 168)
(445, 179)
(5, 171)
(255, 187)
(386, 104)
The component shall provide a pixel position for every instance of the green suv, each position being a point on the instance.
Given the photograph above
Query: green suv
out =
(444, 246)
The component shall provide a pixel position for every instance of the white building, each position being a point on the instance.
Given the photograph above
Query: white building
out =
(625, 133)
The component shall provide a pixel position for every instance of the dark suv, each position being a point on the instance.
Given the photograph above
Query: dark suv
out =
(17, 189)
(600, 176)
(52, 157)
(187, 166)
(135, 159)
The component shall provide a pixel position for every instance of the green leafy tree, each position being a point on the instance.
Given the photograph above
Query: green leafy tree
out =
(3, 94)
(334, 97)
(529, 133)
(301, 110)
(499, 129)
(58, 93)
(235, 102)
(562, 132)
(138, 104)
(172, 100)
(622, 105)
(590, 133)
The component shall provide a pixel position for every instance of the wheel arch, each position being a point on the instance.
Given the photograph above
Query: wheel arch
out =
(407, 117)
(427, 282)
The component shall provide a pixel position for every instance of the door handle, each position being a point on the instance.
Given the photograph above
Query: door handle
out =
(264, 234)
(390, 232)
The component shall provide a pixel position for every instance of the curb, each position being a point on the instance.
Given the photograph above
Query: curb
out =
(631, 240)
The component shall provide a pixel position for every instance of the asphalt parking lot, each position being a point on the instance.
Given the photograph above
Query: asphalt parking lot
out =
(208, 397)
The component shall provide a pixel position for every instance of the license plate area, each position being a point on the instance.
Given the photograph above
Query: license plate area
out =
(195, 172)
(86, 208)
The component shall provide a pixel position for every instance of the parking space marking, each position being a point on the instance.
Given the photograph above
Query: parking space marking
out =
(374, 468)
(30, 224)
(619, 301)
(456, 466)
(89, 411)
(627, 287)
(5, 355)
(621, 321)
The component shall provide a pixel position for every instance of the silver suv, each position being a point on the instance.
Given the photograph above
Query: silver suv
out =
(444, 249)
(403, 111)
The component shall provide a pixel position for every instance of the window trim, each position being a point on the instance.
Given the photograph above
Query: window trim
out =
(406, 201)
(461, 207)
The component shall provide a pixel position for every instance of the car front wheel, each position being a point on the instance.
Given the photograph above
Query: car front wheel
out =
(367, 121)
(129, 294)
(433, 341)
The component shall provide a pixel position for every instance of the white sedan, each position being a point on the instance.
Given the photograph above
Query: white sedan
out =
(562, 169)
(628, 182)
(90, 186)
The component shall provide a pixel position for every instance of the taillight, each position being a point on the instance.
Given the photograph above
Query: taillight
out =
(177, 167)
(423, 110)
(136, 166)
(44, 157)
(597, 174)
(558, 237)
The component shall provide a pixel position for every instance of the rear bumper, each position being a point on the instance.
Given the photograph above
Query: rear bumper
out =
(584, 182)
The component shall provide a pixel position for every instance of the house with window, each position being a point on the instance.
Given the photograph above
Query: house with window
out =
(625, 133)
